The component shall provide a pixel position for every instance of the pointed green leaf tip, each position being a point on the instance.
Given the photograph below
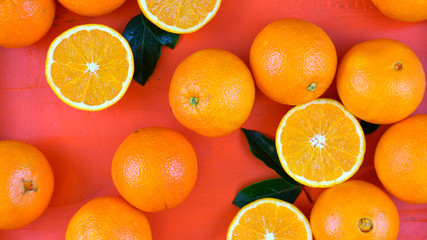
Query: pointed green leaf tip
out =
(284, 188)
(146, 40)
(369, 128)
(264, 149)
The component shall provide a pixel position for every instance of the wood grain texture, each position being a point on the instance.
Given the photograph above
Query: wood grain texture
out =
(80, 145)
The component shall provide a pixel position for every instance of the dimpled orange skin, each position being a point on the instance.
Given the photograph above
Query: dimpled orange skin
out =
(401, 159)
(108, 218)
(24, 22)
(26, 184)
(91, 7)
(338, 210)
(374, 87)
(407, 11)
(223, 86)
(154, 169)
(293, 61)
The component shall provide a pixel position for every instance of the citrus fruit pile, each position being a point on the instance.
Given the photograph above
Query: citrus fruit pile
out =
(320, 142)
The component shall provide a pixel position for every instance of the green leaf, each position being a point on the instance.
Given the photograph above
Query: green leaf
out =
(264, 149)
(146, 40)
(145, 48)
(272, 188)
(165, 38)
(369, 128)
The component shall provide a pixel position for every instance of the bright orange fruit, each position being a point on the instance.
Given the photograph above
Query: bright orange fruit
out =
(179, 16)
(24, 22)
(293, 61)
(108, 218)
(91, 7)
(320, 144)
(381, 81)
(212, 92)
(26, 184)
(401, 159)
(269, 219)
(154, 168)
(354, 210)
(407, 11)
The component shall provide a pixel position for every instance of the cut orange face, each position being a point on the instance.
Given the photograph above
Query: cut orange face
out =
(89, 67)
(269, 219)
(179, 16)
(320, 143)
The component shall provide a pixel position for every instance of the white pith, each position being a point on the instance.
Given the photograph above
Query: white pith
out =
(318, 141)
(269, 236)
(92, 67)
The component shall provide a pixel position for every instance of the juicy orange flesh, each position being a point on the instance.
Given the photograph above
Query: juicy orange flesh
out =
(183, 14)
(269, 219)
(337, 141)
(90, 67)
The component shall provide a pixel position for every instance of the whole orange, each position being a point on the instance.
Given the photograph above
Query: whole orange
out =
(26, 184)
(381, 81)
(408, 10)
(212, 92)
(91, 7)
(24, 22)
(293, 61)
(354, 210)
(108, 218)
(154, 168)
(401, 159)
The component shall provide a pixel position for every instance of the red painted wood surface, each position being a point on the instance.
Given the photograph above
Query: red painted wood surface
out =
(80, 145)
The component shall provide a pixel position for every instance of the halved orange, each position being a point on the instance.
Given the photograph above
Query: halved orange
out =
(179, 16)
(89, 67)
(320, 143)
(269, 219)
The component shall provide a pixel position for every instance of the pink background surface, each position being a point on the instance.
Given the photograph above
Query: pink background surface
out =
(80, 145)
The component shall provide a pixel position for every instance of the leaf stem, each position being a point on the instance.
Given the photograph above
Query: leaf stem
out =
(194, 101)
(311, 87)
(308, 195)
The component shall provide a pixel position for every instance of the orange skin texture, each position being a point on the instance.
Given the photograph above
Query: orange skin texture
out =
(372, 88)
(224, 87)
(401, 159)
(337, 211)
(24, 22)
(407, 11)
(108, 218)
(91, 7)
(22, 163)
(154, 169)
(289, 55)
